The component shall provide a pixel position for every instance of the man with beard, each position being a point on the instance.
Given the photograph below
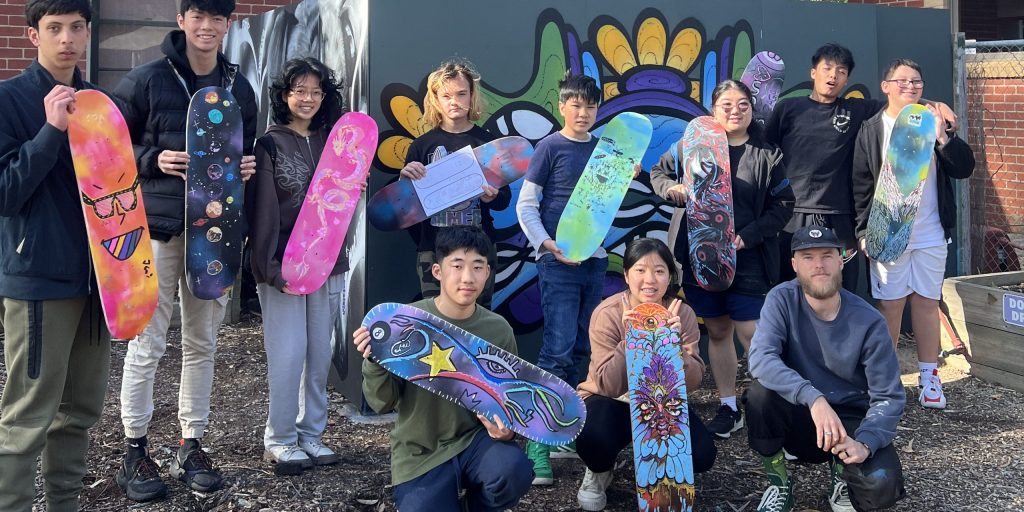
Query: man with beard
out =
(827, 384)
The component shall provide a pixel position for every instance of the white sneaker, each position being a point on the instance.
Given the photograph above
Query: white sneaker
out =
(591, 495)
(320, 454)
(840, 499)
(931, 395)
(288, 460)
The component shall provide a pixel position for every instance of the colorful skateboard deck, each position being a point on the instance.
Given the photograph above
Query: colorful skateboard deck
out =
(599, 192)
(319, 232)
(764, 75)
(115, 218)
(213, 193)
(462, 368)
(397, 206)
(900, 183)
(709, 212)
(662, 446)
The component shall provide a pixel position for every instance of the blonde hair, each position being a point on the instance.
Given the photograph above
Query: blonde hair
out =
(449, 70)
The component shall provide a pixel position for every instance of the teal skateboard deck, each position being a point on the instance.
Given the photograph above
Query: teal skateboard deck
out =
(900, 183)
(599, 192)
(709, 211)
(213, 196)
(662, 446)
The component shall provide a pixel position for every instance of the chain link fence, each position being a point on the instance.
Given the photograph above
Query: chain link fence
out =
(992, 92)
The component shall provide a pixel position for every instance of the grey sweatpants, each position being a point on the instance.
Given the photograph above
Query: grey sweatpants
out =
(57, 354)
(297, 337)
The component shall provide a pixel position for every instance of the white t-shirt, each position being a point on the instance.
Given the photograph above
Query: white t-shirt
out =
(927, 230)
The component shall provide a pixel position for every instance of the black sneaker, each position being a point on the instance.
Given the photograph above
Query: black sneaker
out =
(140, 479)
(193, 466)
(726, 422)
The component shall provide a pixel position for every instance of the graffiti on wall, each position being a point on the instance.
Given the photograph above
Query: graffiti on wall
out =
(664, 71)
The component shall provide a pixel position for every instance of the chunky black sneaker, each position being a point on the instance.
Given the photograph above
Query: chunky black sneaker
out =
(726, 422)
(193, 466)
(140, 479)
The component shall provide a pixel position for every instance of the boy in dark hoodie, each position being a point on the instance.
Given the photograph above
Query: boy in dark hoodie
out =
(57, 348)
(156, 97)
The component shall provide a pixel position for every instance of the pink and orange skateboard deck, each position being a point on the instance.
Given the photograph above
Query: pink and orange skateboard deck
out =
(115, 218)
(319, 232)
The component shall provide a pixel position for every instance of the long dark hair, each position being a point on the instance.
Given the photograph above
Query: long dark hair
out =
(637, 249)
(330, 107)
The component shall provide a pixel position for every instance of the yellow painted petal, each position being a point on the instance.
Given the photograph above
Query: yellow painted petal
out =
(615, 48)
(695, 90)
(855, 94)
(650, 42)
(408, 114)
(393, 150)
(685, 50)
(611, 90)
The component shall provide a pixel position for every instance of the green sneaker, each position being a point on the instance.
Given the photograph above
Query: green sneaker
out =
(839, 498)
(565, 451)
(539, 455)
(777, 498)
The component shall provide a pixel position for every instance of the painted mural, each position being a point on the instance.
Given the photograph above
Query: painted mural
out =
(664, 71)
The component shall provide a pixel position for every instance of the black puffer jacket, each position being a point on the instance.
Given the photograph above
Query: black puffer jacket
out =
(156, 97)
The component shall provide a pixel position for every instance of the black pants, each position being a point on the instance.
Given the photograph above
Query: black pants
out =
(842, 224)
(608, 431)
(773, 423)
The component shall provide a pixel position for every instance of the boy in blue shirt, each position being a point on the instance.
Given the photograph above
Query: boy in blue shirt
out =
(569, 290)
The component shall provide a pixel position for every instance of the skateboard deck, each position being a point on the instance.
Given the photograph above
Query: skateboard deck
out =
(764, 75)
(319, 231)
(213, 193)
(662, 447)
(462, 368)
(599, 192)
(709, 212)
(900, 183)
(115, 218)
(397, 206)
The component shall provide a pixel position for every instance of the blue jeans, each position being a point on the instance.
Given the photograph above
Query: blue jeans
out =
(495, 474)
(568, 296)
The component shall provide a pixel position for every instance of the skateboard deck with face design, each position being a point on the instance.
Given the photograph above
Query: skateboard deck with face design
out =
(452, 363)
(764, 75)
(397, 205)
(601, 188)
(115, 218)
(662, 446)
(319, 231)
(213, 193)
(900, 183)
(709, 211)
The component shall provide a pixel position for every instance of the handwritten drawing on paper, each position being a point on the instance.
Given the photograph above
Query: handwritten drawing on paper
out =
(450, 181)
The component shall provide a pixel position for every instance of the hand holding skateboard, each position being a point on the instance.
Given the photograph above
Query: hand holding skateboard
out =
(58, 104)
(174, 163)
(550, 245)
(497, 429)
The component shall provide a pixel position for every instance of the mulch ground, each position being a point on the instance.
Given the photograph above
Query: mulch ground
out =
(963, 458)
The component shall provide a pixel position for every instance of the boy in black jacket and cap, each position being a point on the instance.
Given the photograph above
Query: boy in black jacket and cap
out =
(156, 97)
(57, 348)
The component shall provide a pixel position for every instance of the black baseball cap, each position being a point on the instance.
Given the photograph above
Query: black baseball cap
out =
(812, 237)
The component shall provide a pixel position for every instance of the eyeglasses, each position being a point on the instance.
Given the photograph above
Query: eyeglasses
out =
(742, 106)
(315, 95)
(103, 207)
(903, 83)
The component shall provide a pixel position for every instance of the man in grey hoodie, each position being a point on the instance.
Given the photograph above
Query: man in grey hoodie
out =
(827, 384)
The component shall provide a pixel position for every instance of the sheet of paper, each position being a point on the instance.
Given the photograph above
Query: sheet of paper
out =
(450, 181)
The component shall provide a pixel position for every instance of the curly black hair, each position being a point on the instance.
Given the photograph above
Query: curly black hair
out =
(331, 106)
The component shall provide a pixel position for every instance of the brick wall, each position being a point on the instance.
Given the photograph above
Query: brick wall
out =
(16, 52)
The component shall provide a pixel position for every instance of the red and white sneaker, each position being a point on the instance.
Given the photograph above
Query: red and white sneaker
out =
(931, 395)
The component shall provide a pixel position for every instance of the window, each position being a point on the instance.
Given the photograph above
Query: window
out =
(126, 34)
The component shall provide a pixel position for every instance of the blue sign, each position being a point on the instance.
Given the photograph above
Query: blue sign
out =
(1013, 309)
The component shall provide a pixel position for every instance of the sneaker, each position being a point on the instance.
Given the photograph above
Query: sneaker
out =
(193, 466)
(140, 479)
(320, 454)
(776, 498)
(726, 422)
(931, 395)
(591, 495)
(839, 498)
(289, 460)
(539, 455)
(565, 451)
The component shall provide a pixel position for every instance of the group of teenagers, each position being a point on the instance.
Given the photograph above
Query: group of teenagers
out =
(826, 381)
